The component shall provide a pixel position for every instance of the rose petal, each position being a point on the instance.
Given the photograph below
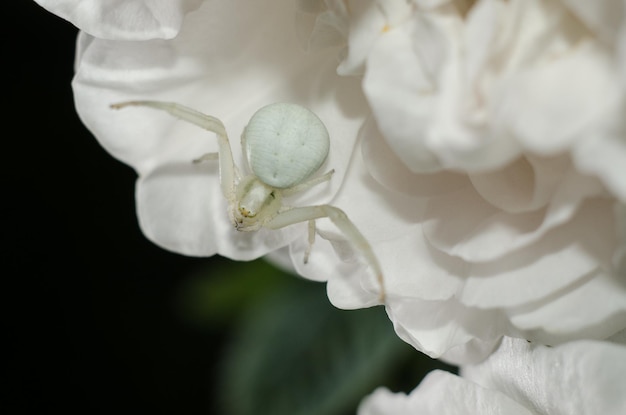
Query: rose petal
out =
(441, 393)
(365, 25)
(124, 19)
(525, 185)
(230, 79)
(566, 255)
(423, 107)
(603, 17)
(394, 230)
(318, 28)
(483, 233)
(594, 308)
(542, 109)
(583, 377)
(181, 208)
(388, 170)
(439, 326)
(619, 256)
(361, 23)
(602, 151)
(401, 124)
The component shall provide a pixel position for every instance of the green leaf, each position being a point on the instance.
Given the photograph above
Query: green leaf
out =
(220, 292)
(296, 354)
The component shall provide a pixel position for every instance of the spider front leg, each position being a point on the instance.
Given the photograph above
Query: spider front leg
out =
(206, 157)
(311, 229)
(308, 184)
(228, 171)
(342, 222)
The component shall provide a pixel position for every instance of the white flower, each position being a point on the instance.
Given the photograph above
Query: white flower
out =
(227, 62)
(500, 146)
(124, 19)
(479, 181)
(584, 377)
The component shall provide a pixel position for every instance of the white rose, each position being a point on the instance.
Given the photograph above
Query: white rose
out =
(227, 62)
(584, 377)
(501, 123)
(482, 228)
(124, 19)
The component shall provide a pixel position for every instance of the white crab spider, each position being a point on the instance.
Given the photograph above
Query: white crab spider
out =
(284, 145)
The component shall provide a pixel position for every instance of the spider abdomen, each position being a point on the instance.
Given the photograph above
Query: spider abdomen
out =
(285, 144)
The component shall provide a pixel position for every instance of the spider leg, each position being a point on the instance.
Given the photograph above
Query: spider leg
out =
(307, 253)
(308, 184)
(228, 172)
(206, 157)
(342, 222)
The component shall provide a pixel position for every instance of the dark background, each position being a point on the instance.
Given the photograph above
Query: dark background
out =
(90, 304)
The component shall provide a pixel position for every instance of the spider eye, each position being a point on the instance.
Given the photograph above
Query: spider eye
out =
(246, 213)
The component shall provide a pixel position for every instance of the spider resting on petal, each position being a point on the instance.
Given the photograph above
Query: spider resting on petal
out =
(284, 145)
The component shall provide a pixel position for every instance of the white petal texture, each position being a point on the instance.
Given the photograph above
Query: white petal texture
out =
(476, 90)
(124, 19)
(479, 146)
(460, 271)
(227, 62)
(493, 170)
(584, 377)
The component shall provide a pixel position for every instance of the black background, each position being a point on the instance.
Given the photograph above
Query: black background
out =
(90, 304)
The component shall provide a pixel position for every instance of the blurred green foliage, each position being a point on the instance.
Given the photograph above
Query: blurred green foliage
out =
(290, 351)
